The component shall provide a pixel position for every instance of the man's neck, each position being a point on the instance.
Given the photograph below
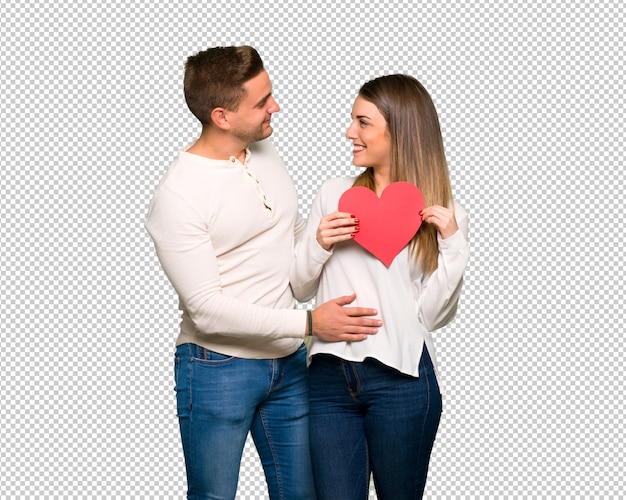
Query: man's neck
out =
(218, 146)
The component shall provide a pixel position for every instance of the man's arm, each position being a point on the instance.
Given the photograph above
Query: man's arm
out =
(189, 260)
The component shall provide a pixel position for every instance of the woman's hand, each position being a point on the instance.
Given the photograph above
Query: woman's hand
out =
(442, 218)
(336, 227)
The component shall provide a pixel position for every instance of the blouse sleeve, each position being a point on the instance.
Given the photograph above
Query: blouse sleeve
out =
(310, 257)
(438, 294)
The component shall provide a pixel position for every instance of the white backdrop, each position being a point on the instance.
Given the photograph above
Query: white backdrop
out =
(532, 109)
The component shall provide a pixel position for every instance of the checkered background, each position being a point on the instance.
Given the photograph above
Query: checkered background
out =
(531, 103)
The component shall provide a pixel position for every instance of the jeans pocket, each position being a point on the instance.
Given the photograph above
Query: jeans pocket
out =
(181, 386)
(212, 358)
(176, 370)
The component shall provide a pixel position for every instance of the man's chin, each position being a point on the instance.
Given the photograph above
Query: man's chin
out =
(267, 131)
(248, 139)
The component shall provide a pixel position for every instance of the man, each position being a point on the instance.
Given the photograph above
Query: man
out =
(224, 222)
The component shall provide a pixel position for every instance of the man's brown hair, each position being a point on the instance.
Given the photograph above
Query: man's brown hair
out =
(214, 78)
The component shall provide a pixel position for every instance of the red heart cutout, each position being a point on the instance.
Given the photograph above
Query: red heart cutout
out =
(387, 223)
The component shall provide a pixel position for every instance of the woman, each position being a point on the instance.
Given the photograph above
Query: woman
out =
(376, 404)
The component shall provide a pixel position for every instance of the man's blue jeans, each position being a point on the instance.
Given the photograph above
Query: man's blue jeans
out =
(369, 417)
(221, 398)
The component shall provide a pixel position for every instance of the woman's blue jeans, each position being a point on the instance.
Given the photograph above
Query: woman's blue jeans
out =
(369, 417)
(222, 398)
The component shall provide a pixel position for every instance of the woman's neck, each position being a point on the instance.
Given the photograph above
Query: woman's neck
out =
(381, 181)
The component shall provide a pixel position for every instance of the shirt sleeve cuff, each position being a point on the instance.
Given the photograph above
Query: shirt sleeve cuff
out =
(295, 323)
(454, 243)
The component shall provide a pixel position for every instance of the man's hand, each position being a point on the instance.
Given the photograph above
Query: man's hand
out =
(333, 322)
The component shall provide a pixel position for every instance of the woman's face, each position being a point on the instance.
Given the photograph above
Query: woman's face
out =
(369, 136)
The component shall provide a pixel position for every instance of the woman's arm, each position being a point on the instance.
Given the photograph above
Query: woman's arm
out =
(321, 233)
(438, 294)
(310, 257)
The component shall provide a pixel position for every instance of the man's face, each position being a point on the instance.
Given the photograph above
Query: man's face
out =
(251, 121)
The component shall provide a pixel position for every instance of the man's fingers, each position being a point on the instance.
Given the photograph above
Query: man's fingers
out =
(362, 327)
(360, 311)
(352, 337)
(349, 324)
(345, 299)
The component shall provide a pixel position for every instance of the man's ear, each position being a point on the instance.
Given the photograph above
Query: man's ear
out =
(218, 115)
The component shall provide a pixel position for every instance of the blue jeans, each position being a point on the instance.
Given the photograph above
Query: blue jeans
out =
(369, 417)
(222, 398)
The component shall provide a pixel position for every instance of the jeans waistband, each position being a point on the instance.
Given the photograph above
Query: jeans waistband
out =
(197, 351)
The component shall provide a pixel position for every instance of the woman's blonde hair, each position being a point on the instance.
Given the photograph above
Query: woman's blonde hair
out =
(417, 153)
